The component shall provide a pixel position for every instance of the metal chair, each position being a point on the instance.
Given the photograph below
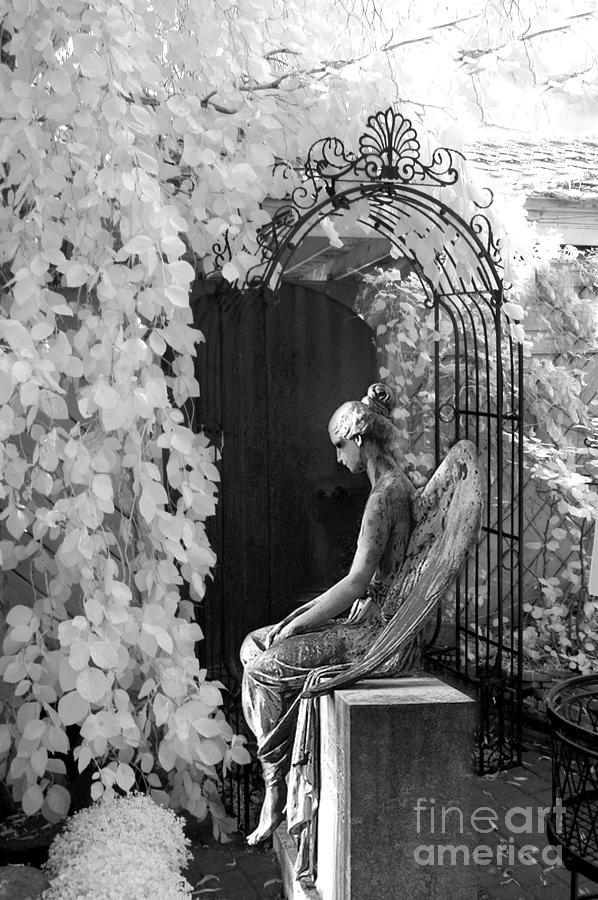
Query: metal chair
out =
(572, 708)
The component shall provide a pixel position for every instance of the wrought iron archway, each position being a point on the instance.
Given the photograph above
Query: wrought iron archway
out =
(387, 188)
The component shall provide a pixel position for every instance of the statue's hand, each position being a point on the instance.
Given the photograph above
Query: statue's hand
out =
(290, 630)
(283, 629)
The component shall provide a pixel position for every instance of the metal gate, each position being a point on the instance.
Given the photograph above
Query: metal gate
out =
(448, 241)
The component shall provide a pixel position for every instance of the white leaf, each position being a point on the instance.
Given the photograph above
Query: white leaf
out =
(19, 615)
(146, 762)
(33, 799)
(156, 342)
(331, 232)
(125, 777)
(230, 272)
(76, 275)
(14, 672)
(163, 638)
(514, 311)
(59, 742)
(72, 708)
(42, 330)
(15, 334)
(178, 296)
(121, 592)
(67, 676)
(210, 752)
(240, 755)
(21, 634)
(94, 611)
(101, 485)
(84, 758)
(79, 655)
(58, 799)
(53, 405)
(208, 728)
(181, 271)
(34, 729)
(210, 694)
(162, 708)
(139, 243)
(146, 688)
(22, 687)
(92, 685)
(39, 760)
(104, 654)
(142, 404)
(147, 506)
(167, 755)
(17, 523)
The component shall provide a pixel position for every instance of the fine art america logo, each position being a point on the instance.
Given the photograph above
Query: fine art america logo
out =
(436, 824)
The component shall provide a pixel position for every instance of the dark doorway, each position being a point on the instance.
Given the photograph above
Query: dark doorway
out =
(272, 371)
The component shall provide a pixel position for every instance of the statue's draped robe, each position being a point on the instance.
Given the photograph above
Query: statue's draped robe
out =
(274, 677)
(282, 682)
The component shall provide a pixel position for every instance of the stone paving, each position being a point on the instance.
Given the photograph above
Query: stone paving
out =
(237, 872)
(233, 871)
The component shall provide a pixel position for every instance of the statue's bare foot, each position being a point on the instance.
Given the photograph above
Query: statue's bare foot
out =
(272, 813)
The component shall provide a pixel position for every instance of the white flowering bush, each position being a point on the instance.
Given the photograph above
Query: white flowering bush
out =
(126, 847)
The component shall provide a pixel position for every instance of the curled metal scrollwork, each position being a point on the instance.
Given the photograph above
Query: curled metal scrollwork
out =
(222, 251)
(510, 558)
(479, 205)
(389, 151)
(327, 162)
(447, 412)
(269, 237)
(481, 227)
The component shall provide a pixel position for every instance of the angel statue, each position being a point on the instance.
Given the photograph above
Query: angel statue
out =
(411, 545)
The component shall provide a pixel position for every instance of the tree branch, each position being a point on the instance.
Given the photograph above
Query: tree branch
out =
(335, 64)
(454, 22)
(535, 34)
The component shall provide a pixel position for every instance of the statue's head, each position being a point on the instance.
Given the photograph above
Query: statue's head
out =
(359, 421)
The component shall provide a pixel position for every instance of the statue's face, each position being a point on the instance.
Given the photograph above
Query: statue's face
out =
(348, 450)
(349, 455)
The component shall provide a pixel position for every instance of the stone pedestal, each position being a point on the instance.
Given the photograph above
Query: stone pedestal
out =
(391, 748)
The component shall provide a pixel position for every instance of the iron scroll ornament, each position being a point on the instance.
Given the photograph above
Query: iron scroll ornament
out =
(388, 151)
(387, 170)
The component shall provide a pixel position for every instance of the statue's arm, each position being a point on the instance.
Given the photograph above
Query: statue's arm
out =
(373, 538)
(274, 632)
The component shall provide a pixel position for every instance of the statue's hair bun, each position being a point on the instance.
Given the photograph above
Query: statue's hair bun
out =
(380, 399)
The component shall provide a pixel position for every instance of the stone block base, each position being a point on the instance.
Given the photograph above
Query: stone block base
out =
(397, 783)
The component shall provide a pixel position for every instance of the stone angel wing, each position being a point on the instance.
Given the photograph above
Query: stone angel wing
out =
(448, 515)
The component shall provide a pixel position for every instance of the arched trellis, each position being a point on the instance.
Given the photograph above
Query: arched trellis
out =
(386, 188)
